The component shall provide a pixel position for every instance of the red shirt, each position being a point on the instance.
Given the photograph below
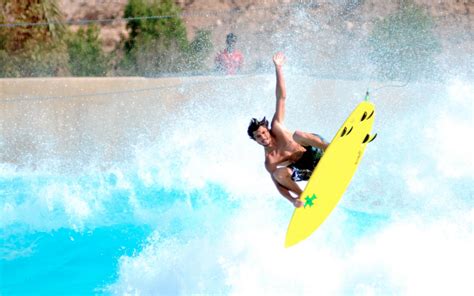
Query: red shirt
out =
(229, 62)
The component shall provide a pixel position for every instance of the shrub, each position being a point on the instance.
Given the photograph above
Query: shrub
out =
(86, 57)
(159, 45)
(35, 60)
(154, 44)
(199, 50)
(403, 45)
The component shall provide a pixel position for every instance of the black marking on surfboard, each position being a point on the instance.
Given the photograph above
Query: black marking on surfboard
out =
(349, 131)
(366, 139)
(345, 132)
(370, 115)
(369, 139)
(363, 116)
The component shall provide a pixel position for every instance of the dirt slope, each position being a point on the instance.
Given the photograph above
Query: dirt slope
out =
(319, 27)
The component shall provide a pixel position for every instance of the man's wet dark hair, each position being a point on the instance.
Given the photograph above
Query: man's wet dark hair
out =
(255, 124)
(231, 38)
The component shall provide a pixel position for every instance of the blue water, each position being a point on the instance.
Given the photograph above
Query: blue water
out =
(165, 222)
(61, 256)
(65, 261)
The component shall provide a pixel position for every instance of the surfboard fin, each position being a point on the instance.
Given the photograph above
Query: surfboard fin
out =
(370, 115)
(350, 130)
(345, 132)
(373, 137)
(369, 139)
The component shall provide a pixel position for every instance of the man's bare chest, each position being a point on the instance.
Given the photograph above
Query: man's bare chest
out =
(284, 155)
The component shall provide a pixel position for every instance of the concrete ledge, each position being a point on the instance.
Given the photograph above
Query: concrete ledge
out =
(76, 121)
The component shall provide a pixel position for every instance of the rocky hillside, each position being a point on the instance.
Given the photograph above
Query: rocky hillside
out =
(314, 27)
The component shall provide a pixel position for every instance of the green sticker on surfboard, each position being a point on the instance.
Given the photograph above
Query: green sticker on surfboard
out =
(333, 173)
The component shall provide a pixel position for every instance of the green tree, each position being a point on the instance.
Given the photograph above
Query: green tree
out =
(158, 44)
(86, 57)
(199, 50)
(155, 43)
(32, 50)
(403, 45)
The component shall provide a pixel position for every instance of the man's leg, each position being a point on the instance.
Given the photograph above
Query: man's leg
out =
(283, 177)
(308, 139)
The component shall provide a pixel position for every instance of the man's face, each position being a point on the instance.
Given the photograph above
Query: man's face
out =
(262, 136)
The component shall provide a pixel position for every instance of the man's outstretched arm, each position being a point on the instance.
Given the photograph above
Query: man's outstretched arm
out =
(280, 90)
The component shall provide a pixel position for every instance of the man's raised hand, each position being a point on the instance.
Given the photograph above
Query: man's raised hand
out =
(279, 59)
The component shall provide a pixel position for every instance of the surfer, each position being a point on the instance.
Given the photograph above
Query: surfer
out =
(288, 157)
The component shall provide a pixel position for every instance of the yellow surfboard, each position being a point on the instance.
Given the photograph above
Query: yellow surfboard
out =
(332, 174)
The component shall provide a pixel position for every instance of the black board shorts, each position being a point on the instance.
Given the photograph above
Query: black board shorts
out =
(304, 167)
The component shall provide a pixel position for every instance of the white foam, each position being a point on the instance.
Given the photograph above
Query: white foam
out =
(220, 249)
(449, 136)
(425, 251)
(411, 257)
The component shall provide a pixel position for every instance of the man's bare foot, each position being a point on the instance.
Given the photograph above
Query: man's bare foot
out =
(297, 203)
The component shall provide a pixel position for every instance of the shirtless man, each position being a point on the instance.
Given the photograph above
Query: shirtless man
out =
(288, 157)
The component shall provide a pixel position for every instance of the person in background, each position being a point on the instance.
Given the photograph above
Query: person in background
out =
(229, 61)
